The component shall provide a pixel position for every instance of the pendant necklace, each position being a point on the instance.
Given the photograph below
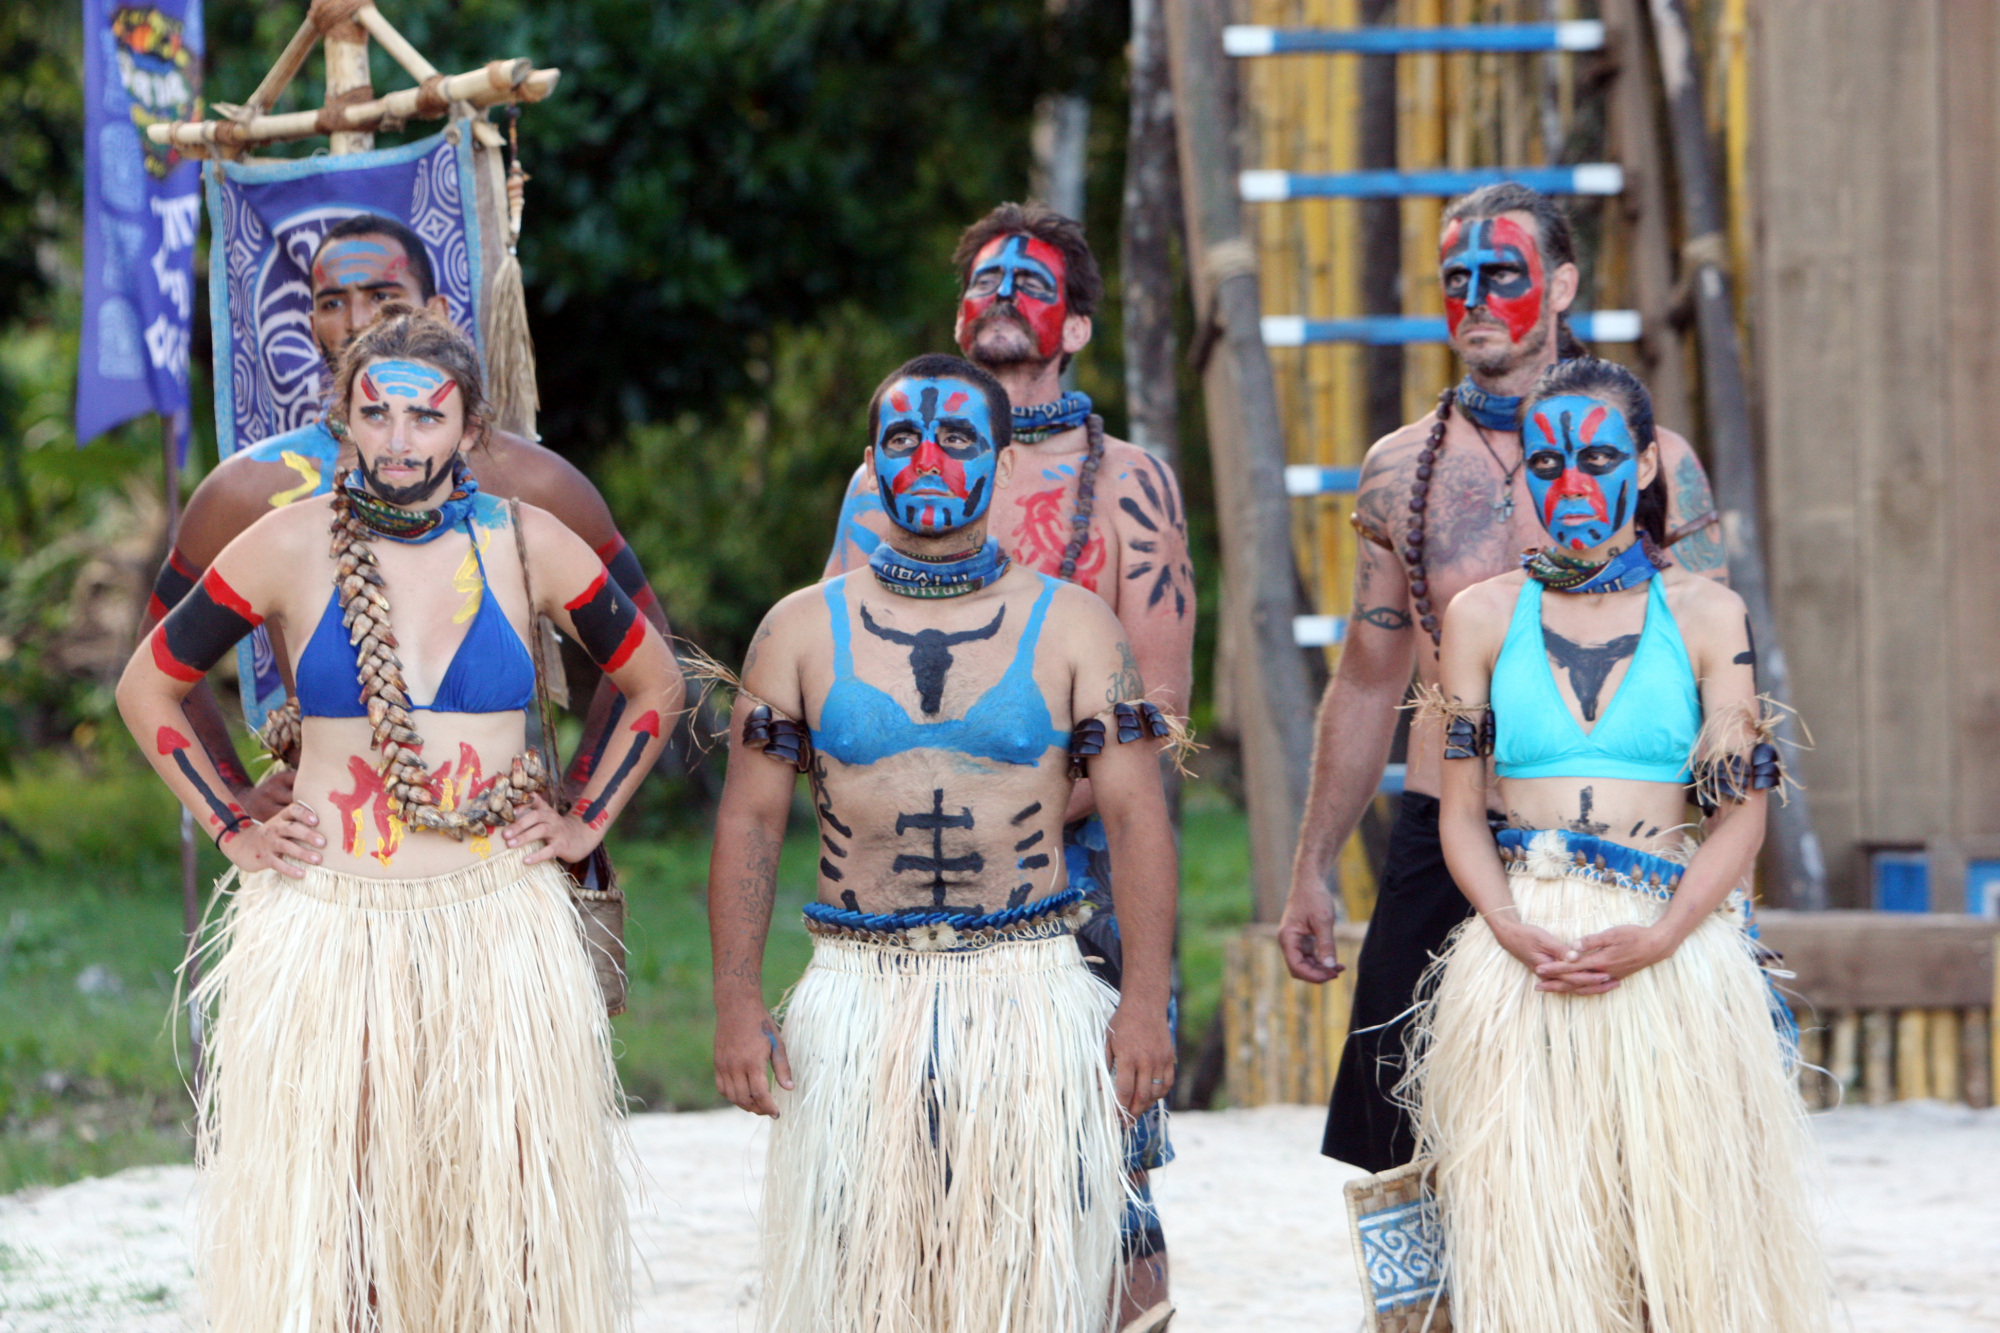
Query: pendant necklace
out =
(1503, 508)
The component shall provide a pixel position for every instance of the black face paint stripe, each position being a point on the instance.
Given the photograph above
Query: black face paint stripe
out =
(607, 624)
(1624, 494)
(972, 496)
(208, 623)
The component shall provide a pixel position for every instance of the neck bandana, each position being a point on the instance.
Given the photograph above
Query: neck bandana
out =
(913, 576)
(1491, 410)
(1629, 568)
(1033, 424)
(413, 525)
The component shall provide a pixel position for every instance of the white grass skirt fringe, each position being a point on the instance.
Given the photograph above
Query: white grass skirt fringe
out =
(410, 1119)
(951, 1159)
(1634, 1162)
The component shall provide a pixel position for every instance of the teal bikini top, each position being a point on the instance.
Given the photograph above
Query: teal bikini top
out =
(1645, 732)
(860, 723)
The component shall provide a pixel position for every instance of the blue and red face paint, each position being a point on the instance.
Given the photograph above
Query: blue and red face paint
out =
(1027, 272)
(934, 454)
(1583, 469)
(1495, 263)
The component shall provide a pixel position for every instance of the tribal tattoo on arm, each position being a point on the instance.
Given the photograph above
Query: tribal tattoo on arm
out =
(1693, 536)
(1162, 571)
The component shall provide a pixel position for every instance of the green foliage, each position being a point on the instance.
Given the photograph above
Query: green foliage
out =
(41, 145)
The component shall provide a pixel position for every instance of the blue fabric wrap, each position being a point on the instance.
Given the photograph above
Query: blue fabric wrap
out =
(886, 922)
(1065, 413)
(1640, 868)
(1491, 410)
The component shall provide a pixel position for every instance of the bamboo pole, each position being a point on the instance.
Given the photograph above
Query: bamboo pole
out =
(1878, 1041)
(500, 81)
(398, 46)
(1976, 1057)
(345, 47)
(1947, 1083)
(1272, 700)
(1845, 1064)
(1913, 1072)
(1813, 1089)
(279, 76)
(1800, 866)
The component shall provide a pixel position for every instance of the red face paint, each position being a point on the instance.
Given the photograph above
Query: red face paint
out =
(1495, 263)
(436, 400)
(1029, 274)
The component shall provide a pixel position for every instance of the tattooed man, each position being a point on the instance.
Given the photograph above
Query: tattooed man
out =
(363, 265)
(1085, 507)
(951, 1148)
(1508, 268)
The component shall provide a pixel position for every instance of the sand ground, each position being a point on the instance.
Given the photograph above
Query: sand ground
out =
(1253, 1217)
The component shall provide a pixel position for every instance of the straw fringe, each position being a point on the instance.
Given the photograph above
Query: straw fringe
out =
(951, 1160)
(1634, 1162)
(1733, 731)
(1428, 703)
(409, 1120)
(708, 676)
(1180, 746)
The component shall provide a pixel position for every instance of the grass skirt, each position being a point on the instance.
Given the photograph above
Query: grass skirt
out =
(1618, 1163)
(409, 1120)
(951, 1159)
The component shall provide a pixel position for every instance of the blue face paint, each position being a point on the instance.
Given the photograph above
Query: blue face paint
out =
(934, 454)
(1030, 273)
(1583, 469)
(1492, 262)
(406, 379)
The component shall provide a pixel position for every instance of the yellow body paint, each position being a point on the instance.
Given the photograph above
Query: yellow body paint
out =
(305, 467)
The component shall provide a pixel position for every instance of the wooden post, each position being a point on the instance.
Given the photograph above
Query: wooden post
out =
(1801, 869)
(1845, 1061)
(1272, 700)
(1975, 1058)
(347, 80)
(1381, 250)
(1878, 1073)
(1151, 220)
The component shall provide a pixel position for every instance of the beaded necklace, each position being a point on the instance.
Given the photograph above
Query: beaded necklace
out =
(1412, 550)
(1560, 572)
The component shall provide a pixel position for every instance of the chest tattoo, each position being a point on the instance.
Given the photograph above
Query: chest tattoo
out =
(934, 822)
(930, 653)
(1589, 665)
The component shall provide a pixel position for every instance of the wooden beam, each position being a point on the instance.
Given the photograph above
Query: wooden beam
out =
(501, 81)
(397, 45)
(1246, 443)
(345, 47)
(1885, 960)
(1801, 869)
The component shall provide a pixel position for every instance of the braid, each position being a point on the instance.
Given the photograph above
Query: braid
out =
(364, 607)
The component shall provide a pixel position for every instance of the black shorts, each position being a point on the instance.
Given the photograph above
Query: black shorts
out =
(1418, 907)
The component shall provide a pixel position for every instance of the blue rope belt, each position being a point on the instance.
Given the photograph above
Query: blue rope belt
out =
(945, 931)
(1642, 872)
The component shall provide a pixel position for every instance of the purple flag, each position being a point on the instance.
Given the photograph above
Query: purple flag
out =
(141, 210)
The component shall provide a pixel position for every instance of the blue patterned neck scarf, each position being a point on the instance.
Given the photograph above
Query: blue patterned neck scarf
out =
(1491, 410)
(909, 576)
(413, 526)
(1032, 424)
(1563, 573)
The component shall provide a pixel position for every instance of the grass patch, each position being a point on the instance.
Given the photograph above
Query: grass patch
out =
(90, 935)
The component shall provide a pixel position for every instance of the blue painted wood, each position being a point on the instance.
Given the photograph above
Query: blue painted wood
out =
(1608, 326)
(1593, 178)
(1576, 35)
(1311, 479)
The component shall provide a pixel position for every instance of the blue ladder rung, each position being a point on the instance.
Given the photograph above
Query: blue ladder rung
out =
(1319, 631)
(1271, 186)
(1393, 777)
(1312, 479)
(1602, 326)
(1575, 35)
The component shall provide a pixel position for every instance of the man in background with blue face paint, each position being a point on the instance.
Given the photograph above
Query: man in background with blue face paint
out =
(950, 1143)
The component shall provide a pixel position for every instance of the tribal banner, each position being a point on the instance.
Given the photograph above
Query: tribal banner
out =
(268, 218)
(141, 209)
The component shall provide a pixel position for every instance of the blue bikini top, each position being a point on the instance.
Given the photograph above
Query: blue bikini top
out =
(1647, 737)
(1010, 724)
(490, 673)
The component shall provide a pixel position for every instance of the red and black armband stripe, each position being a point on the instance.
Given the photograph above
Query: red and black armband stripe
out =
(207, 623)
(607, 624)
(623, 565)
(177, 579)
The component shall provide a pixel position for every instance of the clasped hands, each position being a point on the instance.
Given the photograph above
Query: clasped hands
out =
(1589, 966)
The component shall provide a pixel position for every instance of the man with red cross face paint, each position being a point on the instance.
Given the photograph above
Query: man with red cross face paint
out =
(1445, 502)
(364, 264)
(1081, 506)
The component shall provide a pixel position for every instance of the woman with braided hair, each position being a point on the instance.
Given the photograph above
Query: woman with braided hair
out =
(1600, 1068)
(408, 1116)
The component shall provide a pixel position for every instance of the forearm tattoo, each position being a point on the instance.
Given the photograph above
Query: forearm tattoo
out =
(207, 624)
(177, 579)
(646, 730)
(623, 565)
(607, 624)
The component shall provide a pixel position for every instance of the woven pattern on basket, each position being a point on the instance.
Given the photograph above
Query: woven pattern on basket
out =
(1400, 1250)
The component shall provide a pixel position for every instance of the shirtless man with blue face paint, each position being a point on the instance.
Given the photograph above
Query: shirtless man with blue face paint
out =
(940, 701)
